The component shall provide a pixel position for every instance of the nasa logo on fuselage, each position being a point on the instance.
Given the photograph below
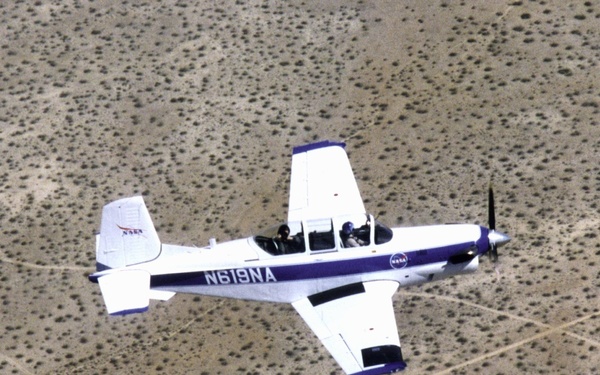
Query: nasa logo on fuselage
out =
(398, 260)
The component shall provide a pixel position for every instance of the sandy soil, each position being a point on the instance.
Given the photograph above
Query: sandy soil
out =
(196, 105)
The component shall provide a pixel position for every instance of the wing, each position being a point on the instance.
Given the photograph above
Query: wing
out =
(322, 183)
(356, 324)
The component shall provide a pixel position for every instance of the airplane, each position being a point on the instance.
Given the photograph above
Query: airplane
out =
(336, 264)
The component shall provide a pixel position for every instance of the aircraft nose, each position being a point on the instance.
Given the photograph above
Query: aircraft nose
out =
(498, 238)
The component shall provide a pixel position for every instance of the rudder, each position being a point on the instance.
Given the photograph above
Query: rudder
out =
(127, 235)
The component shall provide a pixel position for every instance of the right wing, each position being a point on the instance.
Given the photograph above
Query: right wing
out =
(356, 323)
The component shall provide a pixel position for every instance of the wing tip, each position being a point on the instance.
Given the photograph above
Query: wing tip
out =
(386, 369)
(317, 145)
(129, 311)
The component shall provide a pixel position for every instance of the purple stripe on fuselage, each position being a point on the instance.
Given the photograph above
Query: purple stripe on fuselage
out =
(306, 271)
(316, 145)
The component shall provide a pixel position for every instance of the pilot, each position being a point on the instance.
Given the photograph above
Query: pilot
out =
(348, 238)
(285, 243)
(364, 232)
(283, 233)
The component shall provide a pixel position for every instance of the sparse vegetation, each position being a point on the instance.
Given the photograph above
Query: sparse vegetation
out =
(196, 106)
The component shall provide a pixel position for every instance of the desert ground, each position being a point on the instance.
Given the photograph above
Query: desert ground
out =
(196, 105)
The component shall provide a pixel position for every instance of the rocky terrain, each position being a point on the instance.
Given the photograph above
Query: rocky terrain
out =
(197, 104)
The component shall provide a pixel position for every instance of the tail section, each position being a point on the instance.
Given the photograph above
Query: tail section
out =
(127, 235)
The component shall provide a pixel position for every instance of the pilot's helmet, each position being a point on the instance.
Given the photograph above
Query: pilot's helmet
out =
(284, 231)
(348, 227)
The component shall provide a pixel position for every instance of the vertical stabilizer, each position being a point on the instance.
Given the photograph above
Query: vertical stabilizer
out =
(127, 235)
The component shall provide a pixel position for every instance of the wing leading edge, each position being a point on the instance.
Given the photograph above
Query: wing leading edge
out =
(322, 183)
(356, 323)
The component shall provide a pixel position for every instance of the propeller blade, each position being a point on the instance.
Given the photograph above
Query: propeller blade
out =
(496, 239)
(491, 210)
(494, 252)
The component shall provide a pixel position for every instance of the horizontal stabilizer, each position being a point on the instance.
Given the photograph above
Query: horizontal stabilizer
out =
(125, 292)
(161, 295)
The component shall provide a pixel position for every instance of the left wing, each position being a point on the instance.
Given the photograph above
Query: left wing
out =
(322, 183)
(356, 323)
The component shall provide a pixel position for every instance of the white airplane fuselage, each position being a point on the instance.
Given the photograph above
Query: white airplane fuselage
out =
(241, 269)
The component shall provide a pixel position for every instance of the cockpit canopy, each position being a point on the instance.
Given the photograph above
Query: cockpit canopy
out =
(323, 235)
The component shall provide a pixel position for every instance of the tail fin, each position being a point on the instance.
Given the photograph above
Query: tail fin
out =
(127, 235)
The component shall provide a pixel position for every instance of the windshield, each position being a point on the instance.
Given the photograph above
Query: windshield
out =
(383, 234)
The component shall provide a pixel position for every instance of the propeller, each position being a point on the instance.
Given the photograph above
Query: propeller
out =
(496, 239)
